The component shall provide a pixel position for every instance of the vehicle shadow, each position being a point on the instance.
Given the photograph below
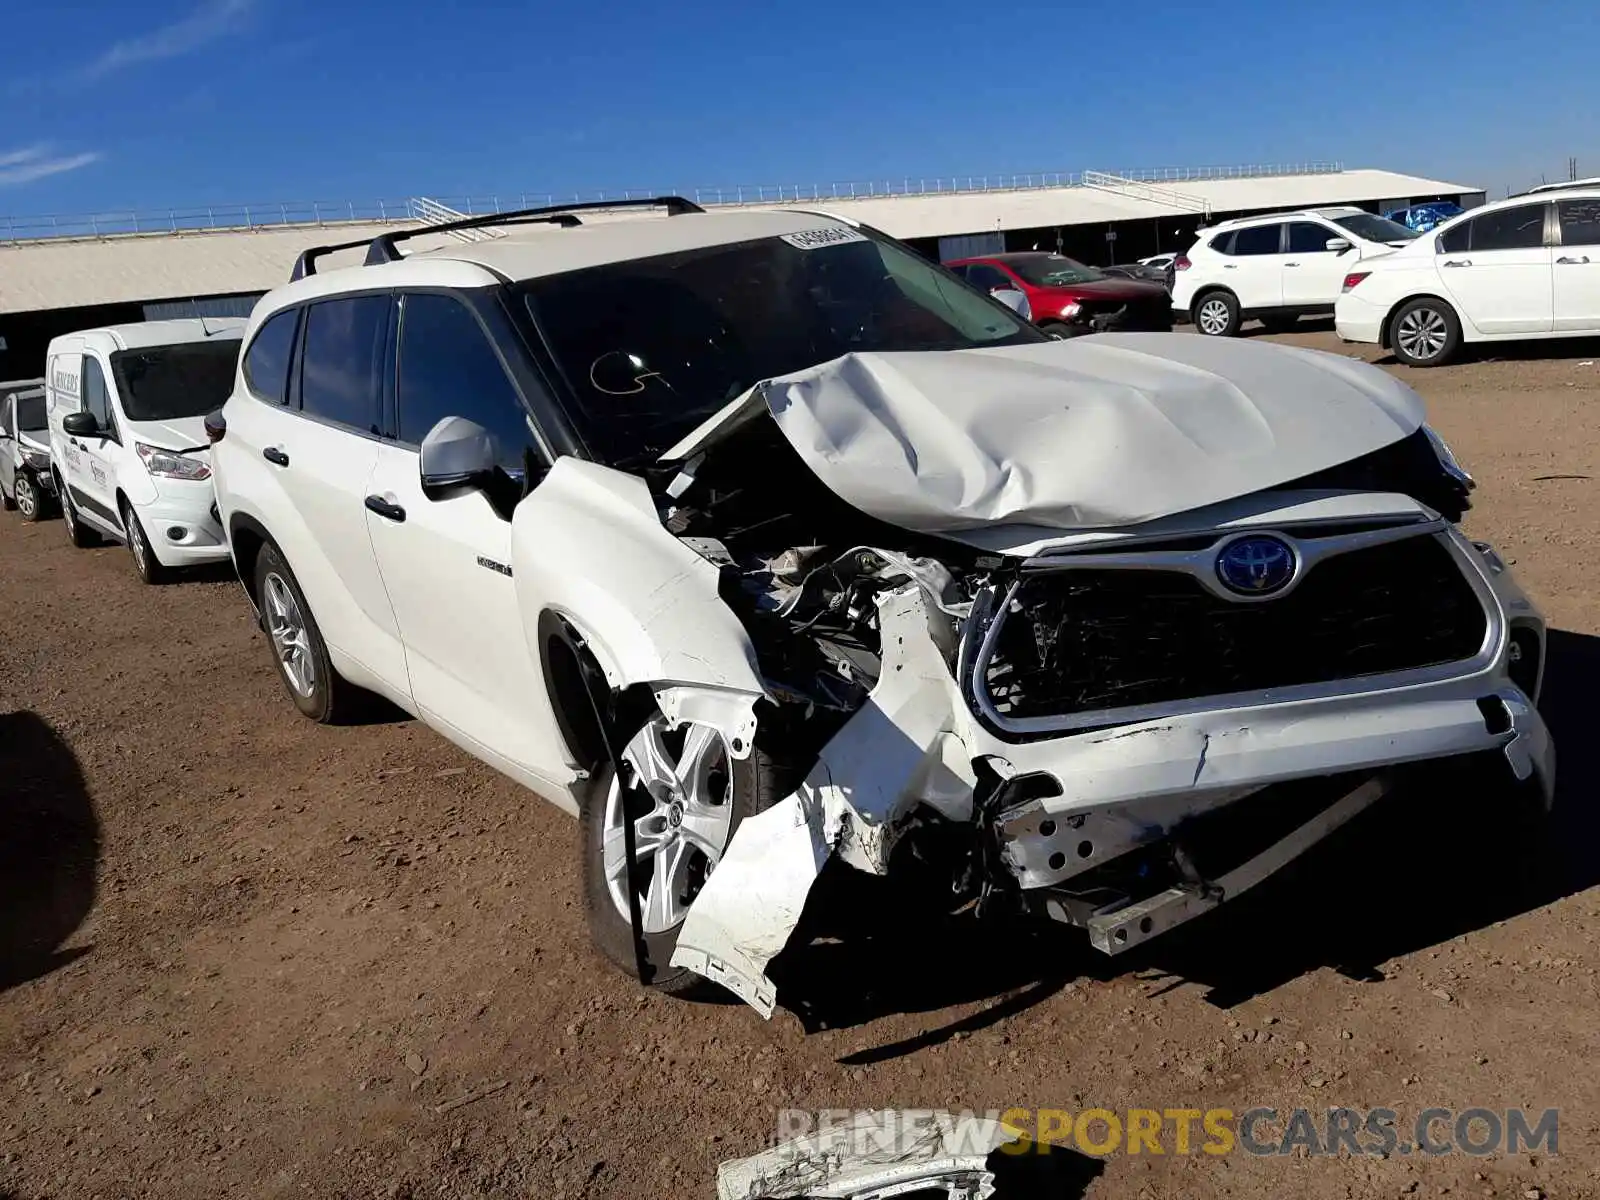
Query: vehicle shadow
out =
(1533, 350)
(49, 849)
(1425, 865)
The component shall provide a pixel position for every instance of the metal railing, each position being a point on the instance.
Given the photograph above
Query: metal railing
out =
(1138, 189)
(249, 217)
(426, 211)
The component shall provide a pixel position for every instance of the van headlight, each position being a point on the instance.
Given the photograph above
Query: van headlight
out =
(167, 465)
(1447, 459)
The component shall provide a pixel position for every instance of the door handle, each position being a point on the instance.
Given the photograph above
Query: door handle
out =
(1230, 266)
(1291, 264)
(275, 456)
(1458, 262)
(1572, 262)
(385, 508)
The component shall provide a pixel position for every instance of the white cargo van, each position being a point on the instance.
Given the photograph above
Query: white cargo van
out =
(127, 407)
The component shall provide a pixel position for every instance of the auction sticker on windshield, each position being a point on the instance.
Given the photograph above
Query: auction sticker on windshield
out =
(814, 239)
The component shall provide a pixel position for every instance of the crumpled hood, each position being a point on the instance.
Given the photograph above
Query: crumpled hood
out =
(1092, 432)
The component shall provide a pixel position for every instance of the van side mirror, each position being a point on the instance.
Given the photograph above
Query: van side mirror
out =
(456, 453)
(80, 424)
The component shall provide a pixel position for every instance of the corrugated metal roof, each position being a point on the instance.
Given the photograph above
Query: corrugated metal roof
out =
(47, 274)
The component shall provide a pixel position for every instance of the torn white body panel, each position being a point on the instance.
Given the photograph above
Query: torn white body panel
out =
(1104, 431)
(872, 1154)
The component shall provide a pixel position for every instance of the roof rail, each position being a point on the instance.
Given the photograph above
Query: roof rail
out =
(383, 248)
(1567, 185)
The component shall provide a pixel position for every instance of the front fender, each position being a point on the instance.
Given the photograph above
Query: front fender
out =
(588, 545)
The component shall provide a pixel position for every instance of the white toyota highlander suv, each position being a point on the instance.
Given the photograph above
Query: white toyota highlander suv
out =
(1278, 267)
(756, 539)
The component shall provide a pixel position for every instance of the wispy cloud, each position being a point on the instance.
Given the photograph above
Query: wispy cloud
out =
(36, 162)
(212, 20)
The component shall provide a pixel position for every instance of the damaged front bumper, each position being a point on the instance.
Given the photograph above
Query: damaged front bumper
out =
(1061, 804)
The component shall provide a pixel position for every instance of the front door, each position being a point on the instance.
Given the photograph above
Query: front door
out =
(446, 560)
(1313, 275)
(94, 481)
(1577, 267)
(1497, 269)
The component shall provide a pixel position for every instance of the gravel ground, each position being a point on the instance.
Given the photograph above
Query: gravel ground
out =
(243, 955)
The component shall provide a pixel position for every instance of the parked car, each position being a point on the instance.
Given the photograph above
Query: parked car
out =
(1527, 267)
(1423, 217)
(1146, 272)
(1067, 298)
(25, 481)
(127, 406)
(1277, 268)
(1160, 261)
(755, 539)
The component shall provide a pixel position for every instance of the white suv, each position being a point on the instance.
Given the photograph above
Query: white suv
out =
(1278, 267)
(757, 539)
(128, 449)
(1525, 267)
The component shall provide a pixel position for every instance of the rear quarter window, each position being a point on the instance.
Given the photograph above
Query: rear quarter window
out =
(266, 362)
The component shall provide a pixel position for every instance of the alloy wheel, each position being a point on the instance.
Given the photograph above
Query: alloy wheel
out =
(27, 499)
(1213, 317)
(136, 542)
(682, 814)
(1422, 333)
(286, 628)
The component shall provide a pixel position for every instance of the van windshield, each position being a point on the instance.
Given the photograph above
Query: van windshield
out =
(166, 383)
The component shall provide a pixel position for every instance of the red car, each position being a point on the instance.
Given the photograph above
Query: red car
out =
(1069, 298)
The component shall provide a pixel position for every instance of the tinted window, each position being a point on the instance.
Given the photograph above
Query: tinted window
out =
(1519, 228)
(1258, 239)
(266, 365)
(1306, 238)
(341, 375)
(448, 369)
(1455, 239)
(165, 383)
(95, 398)
(1580, 222)
(1223, 243)
(980, 275)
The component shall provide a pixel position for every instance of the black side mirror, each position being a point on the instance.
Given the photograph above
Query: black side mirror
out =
(81, 424)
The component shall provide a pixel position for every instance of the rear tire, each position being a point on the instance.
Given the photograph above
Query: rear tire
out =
(298, 650)
(145, 562)
(1425, 332)
(740, 787)
(78, 533)
(1216, 314)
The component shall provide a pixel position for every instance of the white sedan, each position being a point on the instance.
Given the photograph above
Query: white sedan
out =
(1525, 267)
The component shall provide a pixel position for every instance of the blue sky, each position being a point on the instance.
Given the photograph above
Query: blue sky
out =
(149, 103)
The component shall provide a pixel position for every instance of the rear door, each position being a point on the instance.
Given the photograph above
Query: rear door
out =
(1253, 267)
(1497, 269)
(446, 559)
(1577, 266)
(305, 458)
(1313, 275)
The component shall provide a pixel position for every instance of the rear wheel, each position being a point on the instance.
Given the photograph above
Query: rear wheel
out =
(317, 690)
(692, 796)
(1216, 314)
(77, 533)
(1425, 333)
(144, 558)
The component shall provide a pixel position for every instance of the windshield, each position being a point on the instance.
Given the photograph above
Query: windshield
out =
(1052, 270)
(31, 415)
(1376, 229)
(652, 347)
(166, 383)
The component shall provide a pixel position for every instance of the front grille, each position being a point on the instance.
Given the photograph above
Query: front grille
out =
(1090, 639)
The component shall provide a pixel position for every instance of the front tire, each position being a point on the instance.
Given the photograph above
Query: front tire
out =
(1216, 314)
(1425, 333)
(694, 796)
(145, 561)
(1061, 330)
(30, 501)
(301, 655)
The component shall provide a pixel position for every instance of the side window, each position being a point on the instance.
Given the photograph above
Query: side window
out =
(448, 368)
(1305, 237)
(1519, 228)
(1223, 244)
(95, 398)
(266, 363)
(986, 278)
(1257, 239)
(341, 371)
(1456, 239)
(1580, 222)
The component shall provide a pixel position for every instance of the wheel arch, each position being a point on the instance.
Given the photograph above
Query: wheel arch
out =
(1386, 330)
(246, 537)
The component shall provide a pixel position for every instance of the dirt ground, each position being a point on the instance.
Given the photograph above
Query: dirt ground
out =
(243, 955)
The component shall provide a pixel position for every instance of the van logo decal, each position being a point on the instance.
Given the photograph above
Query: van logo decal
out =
(497, 567)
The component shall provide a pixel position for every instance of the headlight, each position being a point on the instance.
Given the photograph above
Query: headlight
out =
(1070, 309)
(169, 465)
(1447, 459)
(37, 459)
